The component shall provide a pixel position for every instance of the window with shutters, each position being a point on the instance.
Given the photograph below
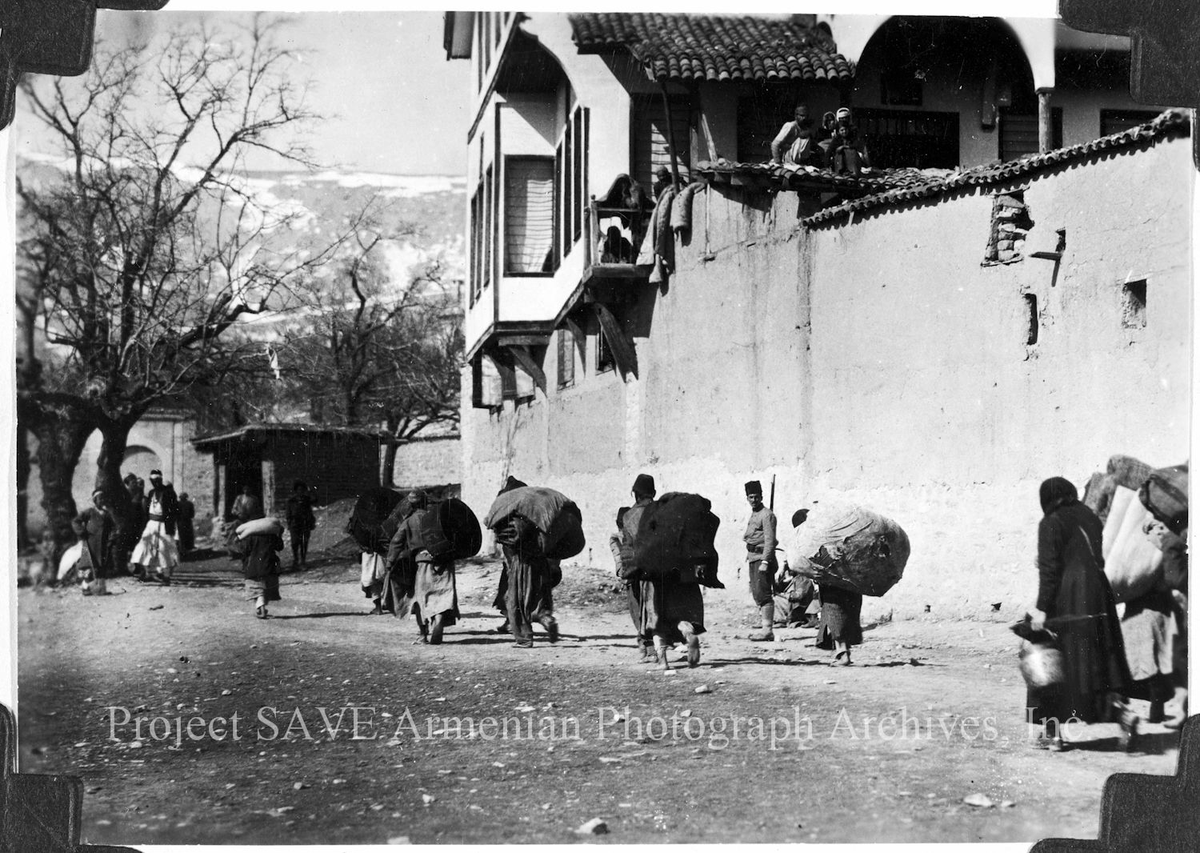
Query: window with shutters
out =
(1117, 121)
(566, 358)
(921, 139)
(528, 215)
(650, 133)
(1019, 132)
(604, 357)
(482, 235)
(570, 177)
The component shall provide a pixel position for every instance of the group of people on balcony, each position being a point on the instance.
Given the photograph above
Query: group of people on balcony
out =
(834, 144)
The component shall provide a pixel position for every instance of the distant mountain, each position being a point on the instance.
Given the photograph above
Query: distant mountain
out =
(425, 213)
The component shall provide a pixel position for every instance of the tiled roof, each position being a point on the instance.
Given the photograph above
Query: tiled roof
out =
(910, 187)
(705, 47)
(797, 177)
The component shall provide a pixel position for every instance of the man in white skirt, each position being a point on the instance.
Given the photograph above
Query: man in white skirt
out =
(156, 551)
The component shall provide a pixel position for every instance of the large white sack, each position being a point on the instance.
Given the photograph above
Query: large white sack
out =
(1131, 562)
(69, 559)
(851, 547)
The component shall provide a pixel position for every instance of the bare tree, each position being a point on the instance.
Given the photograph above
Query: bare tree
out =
(372, 352)
(153, 247)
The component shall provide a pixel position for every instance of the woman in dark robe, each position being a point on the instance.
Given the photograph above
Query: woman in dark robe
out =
(1076, 602)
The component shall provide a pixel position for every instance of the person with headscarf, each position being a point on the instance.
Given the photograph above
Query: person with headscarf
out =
(637, 589)
(429, 591)
(156, 551)
(797, 141)
(1076, 603)
(97, 527)
(760, 554)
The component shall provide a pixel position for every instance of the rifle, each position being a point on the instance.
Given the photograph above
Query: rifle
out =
(771, 505)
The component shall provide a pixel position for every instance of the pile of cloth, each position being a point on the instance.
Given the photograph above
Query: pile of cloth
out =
(848, 546)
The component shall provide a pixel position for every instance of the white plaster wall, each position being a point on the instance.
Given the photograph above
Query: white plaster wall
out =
(880, 361)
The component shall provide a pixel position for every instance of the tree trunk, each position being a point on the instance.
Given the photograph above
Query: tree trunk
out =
(61, 435)
(24, 469)
(115, 435)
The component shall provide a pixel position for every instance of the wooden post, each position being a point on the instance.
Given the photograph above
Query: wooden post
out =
(1045, 121)
(670, 136)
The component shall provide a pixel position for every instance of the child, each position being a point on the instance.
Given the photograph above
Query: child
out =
(258, 543)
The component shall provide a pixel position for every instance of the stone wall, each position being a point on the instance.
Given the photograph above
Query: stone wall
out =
(883, 361)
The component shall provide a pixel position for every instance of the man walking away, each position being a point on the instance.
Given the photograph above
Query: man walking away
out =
(638, 591)
(760, 554)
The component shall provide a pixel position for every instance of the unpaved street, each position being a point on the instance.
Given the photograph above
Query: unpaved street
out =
(776, 749)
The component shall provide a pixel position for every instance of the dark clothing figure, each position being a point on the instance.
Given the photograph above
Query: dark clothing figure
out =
(300, 524)
(427, 585)
(187, 524)
(840, 622)
(1079, 607)
(528, 597)
(260, 567)
(97, 528)
(637, 589)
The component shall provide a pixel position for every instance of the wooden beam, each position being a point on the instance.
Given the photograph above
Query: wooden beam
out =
(622, 347)
(525, 360)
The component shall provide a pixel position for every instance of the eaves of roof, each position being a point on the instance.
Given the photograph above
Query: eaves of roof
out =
(1171, 124)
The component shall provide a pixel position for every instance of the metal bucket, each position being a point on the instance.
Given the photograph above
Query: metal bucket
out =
(1041, 664)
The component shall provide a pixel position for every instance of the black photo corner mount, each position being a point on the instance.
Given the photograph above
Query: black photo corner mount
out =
(39, 813)
(1140, 812)
(50, 37)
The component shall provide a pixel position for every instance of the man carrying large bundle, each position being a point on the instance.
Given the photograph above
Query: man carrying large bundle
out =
(427, 585)
(637, 589)
(760, 554)
(850, 552)
(537, 527)
(674, 556)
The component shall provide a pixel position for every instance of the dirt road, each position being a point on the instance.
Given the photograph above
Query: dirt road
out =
(478, 741)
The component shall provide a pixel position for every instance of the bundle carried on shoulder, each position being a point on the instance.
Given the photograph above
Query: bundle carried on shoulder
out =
(1128, 472)
(558, 520)
(1131, 562)
(371, 511)
(847, 546)
(676, 538)
(1165, 495)
(269, 525)
(450, 530)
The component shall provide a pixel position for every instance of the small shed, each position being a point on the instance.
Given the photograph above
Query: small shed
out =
(335, 462)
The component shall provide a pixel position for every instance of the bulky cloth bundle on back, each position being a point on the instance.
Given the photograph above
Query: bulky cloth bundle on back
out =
(558, 520)
(847, 546)
(676, 536)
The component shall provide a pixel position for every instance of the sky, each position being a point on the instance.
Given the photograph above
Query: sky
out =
(392, 102)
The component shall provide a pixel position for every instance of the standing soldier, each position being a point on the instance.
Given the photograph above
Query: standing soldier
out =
(760, 554)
